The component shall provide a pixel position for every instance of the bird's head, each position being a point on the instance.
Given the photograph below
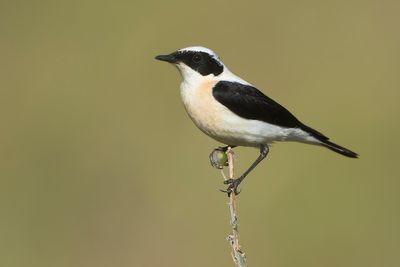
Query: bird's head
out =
(194, 62)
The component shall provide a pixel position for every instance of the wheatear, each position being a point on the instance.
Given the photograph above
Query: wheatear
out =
(234, 112)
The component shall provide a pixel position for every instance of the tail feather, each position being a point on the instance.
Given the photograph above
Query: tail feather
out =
(328, 144)
(339, 149)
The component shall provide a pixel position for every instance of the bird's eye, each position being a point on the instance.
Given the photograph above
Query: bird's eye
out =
(196, 58)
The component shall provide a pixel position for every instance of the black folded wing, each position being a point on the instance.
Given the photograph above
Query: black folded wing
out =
(248, 102)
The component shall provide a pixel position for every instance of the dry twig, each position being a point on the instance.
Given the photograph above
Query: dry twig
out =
(237, 253)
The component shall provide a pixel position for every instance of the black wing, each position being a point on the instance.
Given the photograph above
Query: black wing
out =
(248, 102)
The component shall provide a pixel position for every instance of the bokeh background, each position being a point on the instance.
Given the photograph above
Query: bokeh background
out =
(100, 165)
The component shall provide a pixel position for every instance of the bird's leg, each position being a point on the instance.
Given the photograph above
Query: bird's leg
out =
(218, 157)
(234, 183)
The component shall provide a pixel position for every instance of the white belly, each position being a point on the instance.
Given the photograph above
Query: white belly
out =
(220, 123)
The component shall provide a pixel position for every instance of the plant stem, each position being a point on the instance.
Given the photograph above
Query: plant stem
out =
(237, 253)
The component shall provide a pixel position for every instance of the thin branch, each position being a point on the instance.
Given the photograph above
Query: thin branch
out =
(237, 253)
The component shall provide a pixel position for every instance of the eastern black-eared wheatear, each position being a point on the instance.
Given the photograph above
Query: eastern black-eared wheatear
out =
(233, 112)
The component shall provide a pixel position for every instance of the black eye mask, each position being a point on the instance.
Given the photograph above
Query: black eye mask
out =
(201, 62)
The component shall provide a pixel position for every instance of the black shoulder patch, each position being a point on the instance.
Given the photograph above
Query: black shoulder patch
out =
(201, 62)
(248, 102)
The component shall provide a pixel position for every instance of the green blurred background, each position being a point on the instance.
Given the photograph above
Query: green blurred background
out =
(100, 165)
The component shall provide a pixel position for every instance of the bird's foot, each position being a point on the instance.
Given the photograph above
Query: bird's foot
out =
(233, 186)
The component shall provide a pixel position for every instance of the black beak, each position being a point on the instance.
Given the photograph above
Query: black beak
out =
(168, 58)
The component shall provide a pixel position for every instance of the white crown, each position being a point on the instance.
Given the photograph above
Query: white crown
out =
(200, 49)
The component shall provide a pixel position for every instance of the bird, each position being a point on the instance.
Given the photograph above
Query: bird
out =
(234, 112)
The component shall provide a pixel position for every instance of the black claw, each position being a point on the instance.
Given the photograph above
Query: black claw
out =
(234, 189)
(229, 181)
(233, 186)
(238, 192)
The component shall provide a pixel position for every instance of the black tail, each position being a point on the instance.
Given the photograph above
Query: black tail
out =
(328, 144)
(339, 149)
